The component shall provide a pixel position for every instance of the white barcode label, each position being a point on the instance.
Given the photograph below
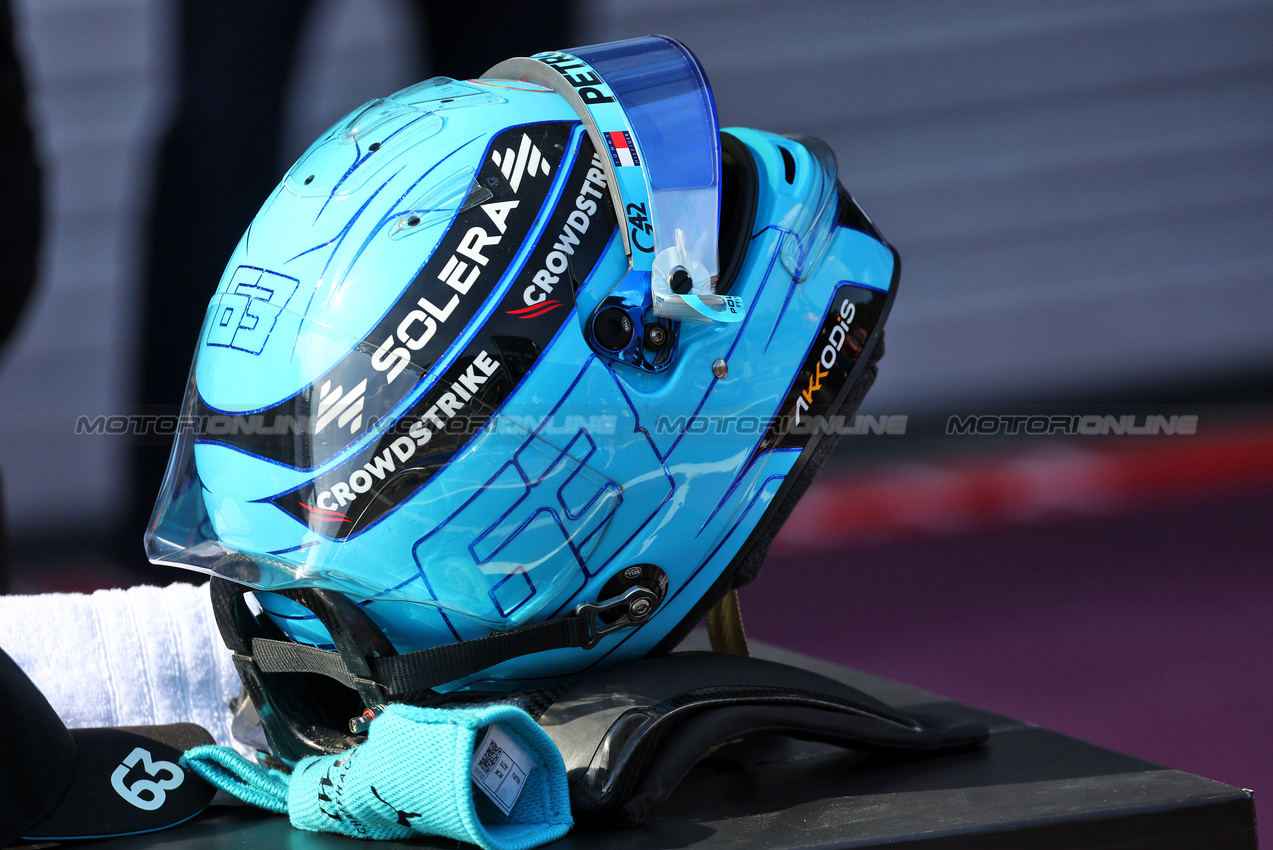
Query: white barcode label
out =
(500, 767)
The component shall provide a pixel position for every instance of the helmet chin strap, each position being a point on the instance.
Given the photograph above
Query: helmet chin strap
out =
(366, 660)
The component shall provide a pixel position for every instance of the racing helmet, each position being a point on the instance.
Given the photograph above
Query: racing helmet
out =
(510, 378)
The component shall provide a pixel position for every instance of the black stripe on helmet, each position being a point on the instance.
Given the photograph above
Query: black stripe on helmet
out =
(355, 494)
(447, 292)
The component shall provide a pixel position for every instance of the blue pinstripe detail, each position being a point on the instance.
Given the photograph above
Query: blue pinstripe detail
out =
(344, 231)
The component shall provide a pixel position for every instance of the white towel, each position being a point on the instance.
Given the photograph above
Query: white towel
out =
(135, 657)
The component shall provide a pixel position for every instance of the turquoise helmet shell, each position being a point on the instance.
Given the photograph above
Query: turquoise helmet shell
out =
(406, 390)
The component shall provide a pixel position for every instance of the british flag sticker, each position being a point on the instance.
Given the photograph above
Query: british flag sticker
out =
(622, 151)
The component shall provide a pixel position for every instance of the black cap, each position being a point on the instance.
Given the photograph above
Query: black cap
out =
(61, 783)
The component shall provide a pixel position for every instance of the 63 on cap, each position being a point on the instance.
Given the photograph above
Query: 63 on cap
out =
(61, 783)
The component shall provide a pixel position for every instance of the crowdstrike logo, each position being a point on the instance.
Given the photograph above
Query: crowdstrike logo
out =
(558, 260)
(321, 515)
(344, 407)
(391, 459)
(525, 162)
(536, 310)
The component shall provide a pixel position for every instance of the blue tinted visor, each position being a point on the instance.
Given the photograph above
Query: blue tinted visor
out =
(649, 108)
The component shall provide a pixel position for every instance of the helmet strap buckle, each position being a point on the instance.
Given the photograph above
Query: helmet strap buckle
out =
(632, 607)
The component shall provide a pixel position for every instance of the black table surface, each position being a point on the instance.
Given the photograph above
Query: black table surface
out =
(1029, 787)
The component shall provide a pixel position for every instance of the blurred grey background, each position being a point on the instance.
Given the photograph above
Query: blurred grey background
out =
(1082, 192)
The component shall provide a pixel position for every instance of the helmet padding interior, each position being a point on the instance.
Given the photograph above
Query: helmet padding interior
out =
(739, 193)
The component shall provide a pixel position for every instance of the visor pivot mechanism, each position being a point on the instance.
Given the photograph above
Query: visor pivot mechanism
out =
(681, 282)
(657, 336)
(624, 328)
(630, 608)
(613, 328)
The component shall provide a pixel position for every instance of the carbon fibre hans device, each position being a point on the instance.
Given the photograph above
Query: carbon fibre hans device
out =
(511, 378)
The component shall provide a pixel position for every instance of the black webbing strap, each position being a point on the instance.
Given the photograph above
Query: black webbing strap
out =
(426, 668)
(283, 656)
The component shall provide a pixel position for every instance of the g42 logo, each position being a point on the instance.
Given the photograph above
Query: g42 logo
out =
(148, 794)
(639, 222)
